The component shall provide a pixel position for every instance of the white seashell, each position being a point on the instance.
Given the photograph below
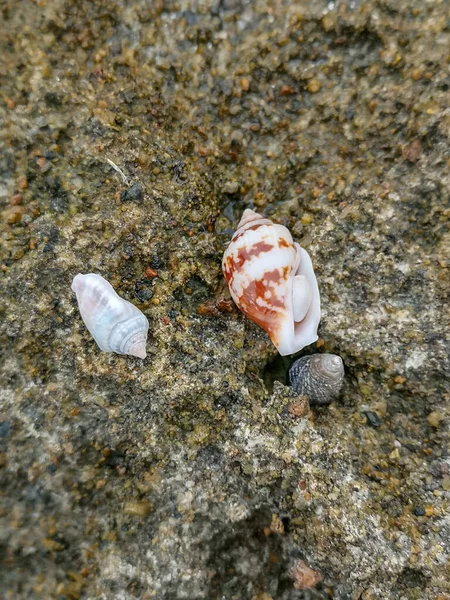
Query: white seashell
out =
(114, 323)
(272, 280)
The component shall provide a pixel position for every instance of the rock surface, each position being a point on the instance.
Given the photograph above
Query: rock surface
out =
(190, 475)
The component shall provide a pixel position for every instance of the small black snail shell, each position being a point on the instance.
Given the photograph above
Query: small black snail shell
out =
(319, 377)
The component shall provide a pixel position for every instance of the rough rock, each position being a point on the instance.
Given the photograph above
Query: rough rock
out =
(189, 475)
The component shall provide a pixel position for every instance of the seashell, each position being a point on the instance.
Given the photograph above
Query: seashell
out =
(272, 281)
(319, 377)
(114, 323)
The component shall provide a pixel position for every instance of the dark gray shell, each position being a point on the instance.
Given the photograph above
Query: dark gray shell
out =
(319, 377)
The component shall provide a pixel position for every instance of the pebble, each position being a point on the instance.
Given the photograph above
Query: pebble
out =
(143, 290)
(133, 194)
(446, 483)
(372, 418)
(304, 577)
(276, 526)
(244, 84)
(299, 407)
(434, 418)
(314, 86)
(137, 509)
(22, 182)
(13, 215)
(15, 199)
(230, 187)
(287, 90)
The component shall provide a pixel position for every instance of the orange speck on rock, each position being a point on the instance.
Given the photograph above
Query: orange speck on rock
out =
(287, 90)
(304, 577)
(244, 84)
(22, 182)
(412, 152)
(299, 407)
(15, 199)
(9, 102)
(12, 215)
(314, 86)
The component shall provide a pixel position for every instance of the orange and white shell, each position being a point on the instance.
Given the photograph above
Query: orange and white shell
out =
(272, 281)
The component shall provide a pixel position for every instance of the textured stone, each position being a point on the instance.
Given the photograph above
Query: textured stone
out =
(161, 478)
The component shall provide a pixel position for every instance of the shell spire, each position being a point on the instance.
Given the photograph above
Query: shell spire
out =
(319, 376)
(272, 281)
(114, 323)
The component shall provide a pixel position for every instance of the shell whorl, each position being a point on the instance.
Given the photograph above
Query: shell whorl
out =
(130, 336)
(319, 377)
(114, 323)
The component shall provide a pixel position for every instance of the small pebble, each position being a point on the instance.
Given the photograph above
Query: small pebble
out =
(419, 511)
(22, 182)
(372, 418)
(446, 483)
(4, 428)
(434, 418)
(143, 290)
(412, 151)
(137, 509)
(13, 215)
(133, 194)
(314, 86)
(276, 526)
(287, 90)
(244, 84)
(299, 407)
(15, 200)
(151, 273)
(9, 102)
(230, 187)
(304, 577)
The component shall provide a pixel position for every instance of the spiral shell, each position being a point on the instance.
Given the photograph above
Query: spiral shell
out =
(319, 377)
(114, 323)
(272, 281)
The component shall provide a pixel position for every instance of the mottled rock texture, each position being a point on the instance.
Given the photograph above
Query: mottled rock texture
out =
(193, 474)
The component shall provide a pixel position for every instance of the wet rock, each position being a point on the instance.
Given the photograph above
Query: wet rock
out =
(130, 478)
